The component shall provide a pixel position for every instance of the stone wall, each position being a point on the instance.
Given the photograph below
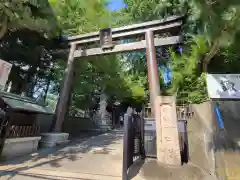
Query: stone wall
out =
(200, 133)
(15, 147)
(231, 116)
(227, 142)
(72, 125)
(212, 149)
(44, 121)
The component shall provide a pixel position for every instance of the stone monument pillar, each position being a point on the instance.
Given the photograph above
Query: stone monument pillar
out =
(105, 123)
(5, 69)
(168, 150)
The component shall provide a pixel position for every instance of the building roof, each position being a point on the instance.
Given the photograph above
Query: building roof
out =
(24, 103)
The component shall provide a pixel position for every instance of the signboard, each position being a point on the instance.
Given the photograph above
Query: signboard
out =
(150, 125)
(223, 86)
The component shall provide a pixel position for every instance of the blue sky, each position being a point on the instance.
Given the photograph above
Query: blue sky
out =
(116, 4)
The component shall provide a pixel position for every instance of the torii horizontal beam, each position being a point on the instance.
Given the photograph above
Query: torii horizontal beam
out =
(134, 46)
(157, 26)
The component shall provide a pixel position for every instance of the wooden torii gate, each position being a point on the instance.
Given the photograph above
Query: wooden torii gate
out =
(149, 34)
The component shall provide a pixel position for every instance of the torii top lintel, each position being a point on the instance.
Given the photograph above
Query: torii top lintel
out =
(128, 32)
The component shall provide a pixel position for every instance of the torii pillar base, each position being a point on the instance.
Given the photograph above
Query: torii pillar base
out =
(168, 149)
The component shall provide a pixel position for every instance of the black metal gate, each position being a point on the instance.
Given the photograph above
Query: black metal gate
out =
(133, 146)
(140, 138)
(4, 127)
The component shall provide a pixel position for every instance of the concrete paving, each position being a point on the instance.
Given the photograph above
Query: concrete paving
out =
(153, 170)
(99, 157)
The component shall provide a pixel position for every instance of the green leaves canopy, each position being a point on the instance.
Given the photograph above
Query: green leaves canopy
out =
(213, 23)
(34, 15)
(93, 75)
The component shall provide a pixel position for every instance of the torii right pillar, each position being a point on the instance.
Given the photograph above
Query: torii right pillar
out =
(163, 109)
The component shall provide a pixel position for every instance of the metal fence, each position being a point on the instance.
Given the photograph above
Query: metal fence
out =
(184, 113)
(150, 145)
(140, 137)
(23, 131)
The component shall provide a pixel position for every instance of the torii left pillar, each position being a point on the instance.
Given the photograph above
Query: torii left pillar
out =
(65, 93)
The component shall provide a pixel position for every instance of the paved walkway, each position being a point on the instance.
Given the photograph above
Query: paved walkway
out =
(98, 158)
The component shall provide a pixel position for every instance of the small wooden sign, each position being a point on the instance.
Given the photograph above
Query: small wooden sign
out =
(106, 38)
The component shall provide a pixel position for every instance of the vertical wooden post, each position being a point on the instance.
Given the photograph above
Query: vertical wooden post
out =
(153, 77)
(65, 92)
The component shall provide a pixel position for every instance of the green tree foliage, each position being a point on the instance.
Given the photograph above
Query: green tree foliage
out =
(31, 59)
(34, 15)
(81, 16)
(214, 23)
(93, 75)
(211, 30)
(188, 81)
(27, 28)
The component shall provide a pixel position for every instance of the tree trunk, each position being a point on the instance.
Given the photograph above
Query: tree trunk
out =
(46, 90)
(213, 51)
(30, 84)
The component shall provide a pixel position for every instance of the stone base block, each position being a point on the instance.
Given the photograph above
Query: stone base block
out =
(19, 146)
(105, 128)
(52, 139)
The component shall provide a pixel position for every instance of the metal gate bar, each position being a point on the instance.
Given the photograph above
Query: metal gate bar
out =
(4, 128)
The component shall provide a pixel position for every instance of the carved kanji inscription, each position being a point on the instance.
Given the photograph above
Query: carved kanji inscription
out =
(170, 136)
(170, 155)
(167, 116)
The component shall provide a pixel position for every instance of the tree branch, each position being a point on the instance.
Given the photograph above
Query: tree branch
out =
(211, 54)
(214, 49)
(4, 27)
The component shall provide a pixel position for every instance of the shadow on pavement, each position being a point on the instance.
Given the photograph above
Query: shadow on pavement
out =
(41, 177)
(99, 144)
(152, 170)
(135, 168)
